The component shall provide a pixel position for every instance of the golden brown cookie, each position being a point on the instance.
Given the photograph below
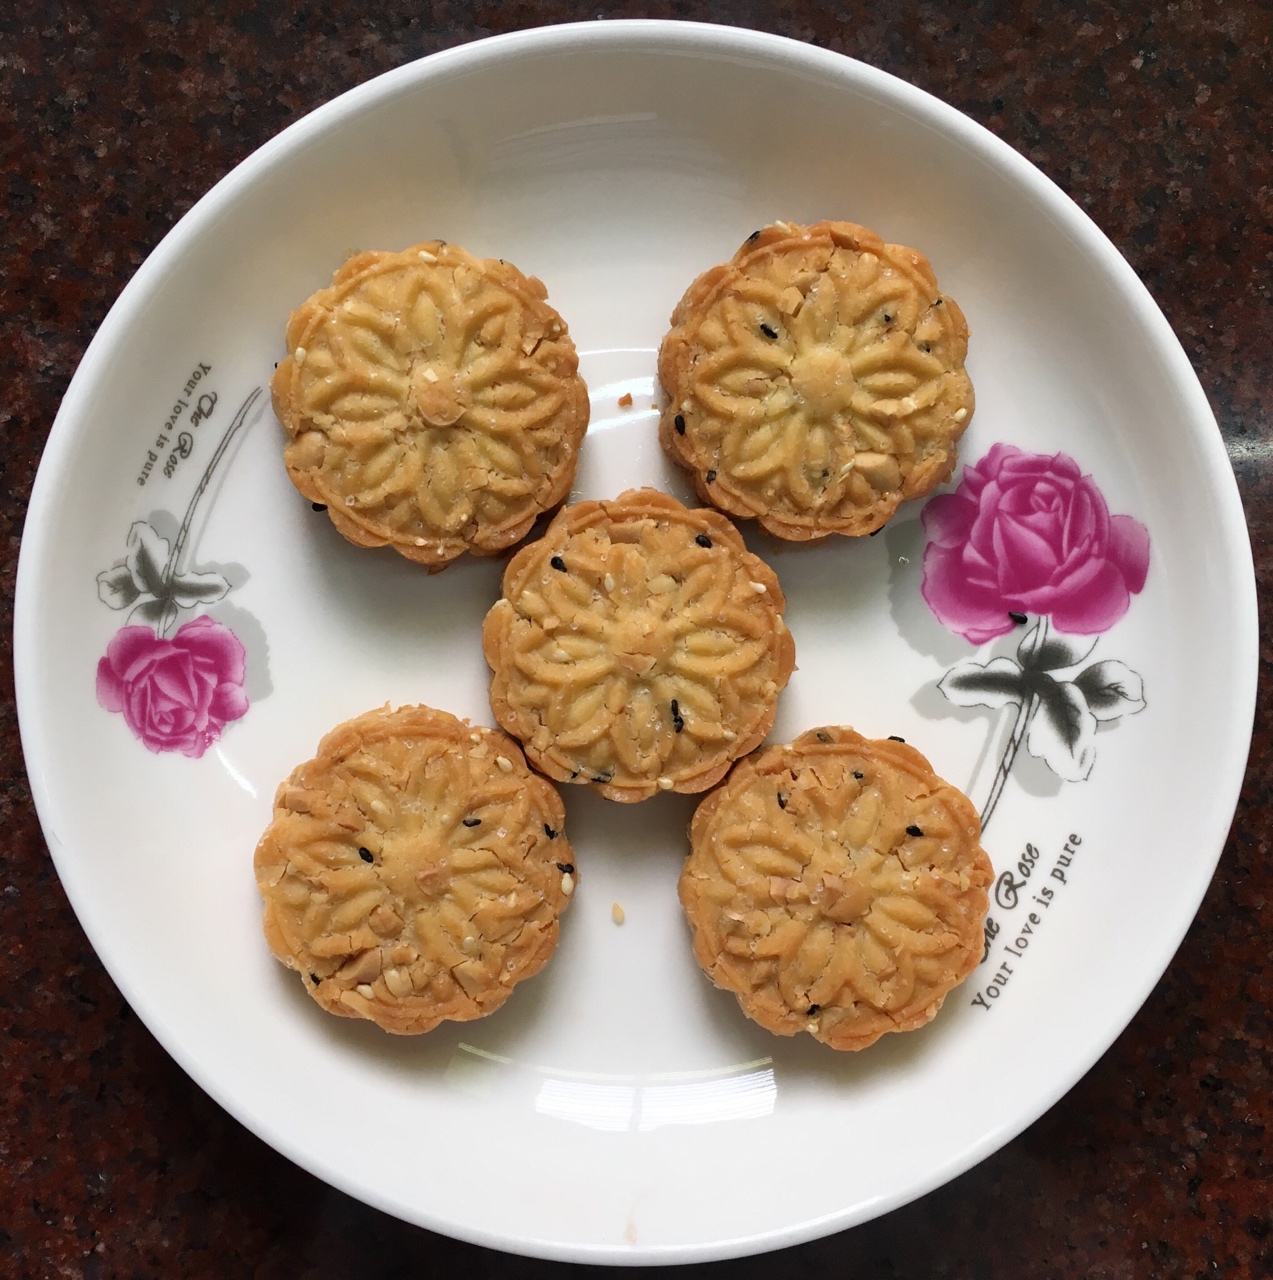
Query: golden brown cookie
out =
(837, 886)
(432, 402)
(414, 870)
(815, 381)
(639, 647)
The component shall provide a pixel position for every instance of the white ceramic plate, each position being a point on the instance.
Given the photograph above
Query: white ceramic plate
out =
(619, 1109)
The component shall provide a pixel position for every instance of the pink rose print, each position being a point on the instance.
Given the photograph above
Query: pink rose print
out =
(176, 694)
(1023, 534)
(1026, 533)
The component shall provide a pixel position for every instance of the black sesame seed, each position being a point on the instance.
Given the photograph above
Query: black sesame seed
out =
(318, 506)
(823, 736)
(888, 319)
(315, 979)
(678, 722)
(472, 822)
(711, 475)
(703, 540)
(938, 302)
(892, 737)
(558, 563)
(679, 423)
(914, 830)
(782, 801)
(768, 330)
(602, 777)
(566, 868)
(753, 236)
(549, 832)
(875, 531)
(812, 1010)
(365, 854)
(1019, 618)
(858, 774)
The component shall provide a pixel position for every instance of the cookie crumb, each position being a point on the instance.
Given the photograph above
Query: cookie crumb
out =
(625, 400)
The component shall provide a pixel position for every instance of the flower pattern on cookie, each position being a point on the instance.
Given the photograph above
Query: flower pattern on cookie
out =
(639, 647)
(432, 402)
(816, 381)
(414, 870)
(837, 886)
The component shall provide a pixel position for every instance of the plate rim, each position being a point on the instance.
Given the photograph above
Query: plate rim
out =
(657, 36)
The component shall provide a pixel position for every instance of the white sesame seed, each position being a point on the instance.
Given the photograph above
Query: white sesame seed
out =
(426, 256)
(609, 581)
(616, 914)
(367, 992)
(300, 355)
(505, 764)
(666, 784)
(567, 884)
(759, 588)
(960, 414)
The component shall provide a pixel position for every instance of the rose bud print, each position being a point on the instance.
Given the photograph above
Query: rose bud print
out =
(1026, 533)
(175, 694)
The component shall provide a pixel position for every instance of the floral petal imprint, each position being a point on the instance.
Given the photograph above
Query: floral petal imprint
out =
(639, 647)
(815, 381)
(414, 870)
(837, 886)
(432, 402)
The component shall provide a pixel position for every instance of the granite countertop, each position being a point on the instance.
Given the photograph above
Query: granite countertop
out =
(1156, 118)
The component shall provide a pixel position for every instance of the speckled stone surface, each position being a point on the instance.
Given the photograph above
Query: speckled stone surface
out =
(1156, 118)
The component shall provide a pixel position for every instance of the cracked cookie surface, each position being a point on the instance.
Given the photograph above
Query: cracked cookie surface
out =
(837, 886)
(815, 381)
(639, 647)
(432, 402)
(414, 870)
